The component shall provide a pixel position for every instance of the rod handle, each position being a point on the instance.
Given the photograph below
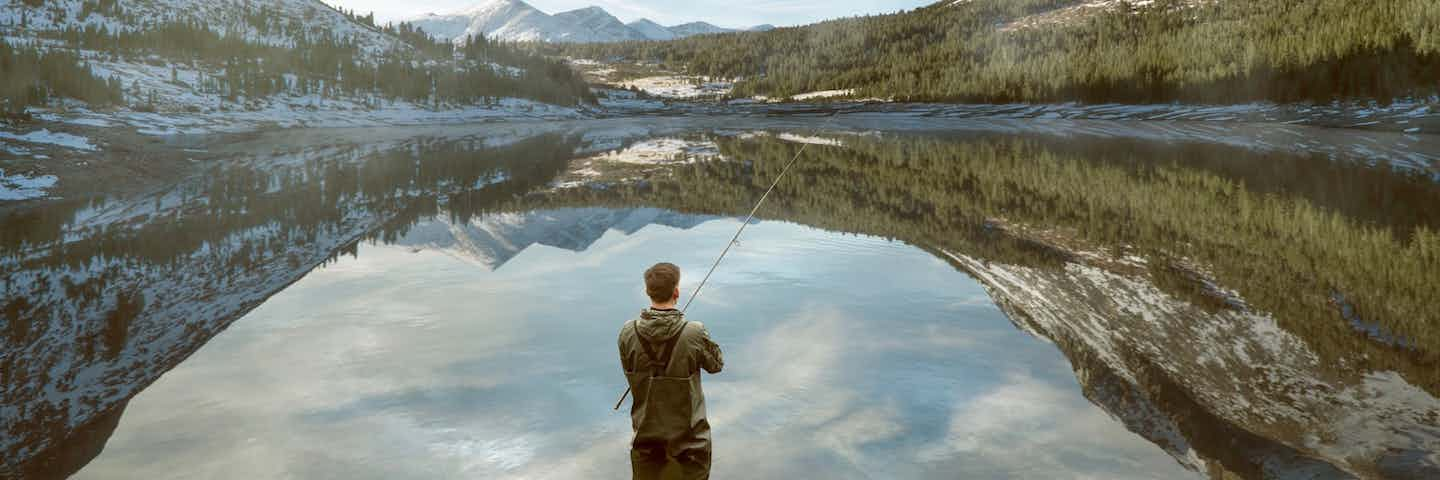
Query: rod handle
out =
(622, 398)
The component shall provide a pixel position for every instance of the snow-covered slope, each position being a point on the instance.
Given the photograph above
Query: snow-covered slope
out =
(225, 16)
(163, 95)
(602, 24)
(652, 30)
(512, 20)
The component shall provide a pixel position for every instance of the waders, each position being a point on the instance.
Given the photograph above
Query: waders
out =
(664, 404)
(669, 410)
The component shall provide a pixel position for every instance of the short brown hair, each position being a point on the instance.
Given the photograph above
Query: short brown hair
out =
(661, 280)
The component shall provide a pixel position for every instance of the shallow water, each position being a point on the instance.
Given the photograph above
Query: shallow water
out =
(977, 302)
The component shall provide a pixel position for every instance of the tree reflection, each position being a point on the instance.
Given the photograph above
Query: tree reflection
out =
(76, 294)
(96, 282)
(1285, 242)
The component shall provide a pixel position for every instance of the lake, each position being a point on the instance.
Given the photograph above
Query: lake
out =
(917, 299)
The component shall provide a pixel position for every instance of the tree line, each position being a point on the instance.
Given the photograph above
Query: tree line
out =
(31, 76)
(1015, 50)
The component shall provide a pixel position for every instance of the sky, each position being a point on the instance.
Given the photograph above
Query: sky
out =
(726, 13)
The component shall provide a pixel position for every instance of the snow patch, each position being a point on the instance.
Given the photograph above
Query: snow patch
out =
(46, 137)
(824, 94)
(662, 151)
(676, 86)
(21, 187)
(812, 140)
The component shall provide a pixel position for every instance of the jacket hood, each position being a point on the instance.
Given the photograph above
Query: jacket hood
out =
(660, 325)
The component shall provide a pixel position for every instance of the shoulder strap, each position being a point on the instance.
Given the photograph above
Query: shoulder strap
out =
(657, 361)
(674, 342)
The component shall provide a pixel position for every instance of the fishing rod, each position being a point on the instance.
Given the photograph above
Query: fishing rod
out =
(741, 230)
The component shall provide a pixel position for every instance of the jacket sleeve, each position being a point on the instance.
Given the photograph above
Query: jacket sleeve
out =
(624, 359)
(711, 359)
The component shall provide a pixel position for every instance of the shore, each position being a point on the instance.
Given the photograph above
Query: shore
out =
(72, 151)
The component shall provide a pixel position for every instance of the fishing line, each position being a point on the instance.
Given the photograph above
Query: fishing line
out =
(741, 230)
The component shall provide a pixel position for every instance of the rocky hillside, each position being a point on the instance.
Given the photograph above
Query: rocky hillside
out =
(286, 58)
(268, 22)
(1097, 51)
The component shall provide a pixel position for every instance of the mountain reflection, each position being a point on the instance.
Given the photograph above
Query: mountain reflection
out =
(494, 239)
(1249, 313)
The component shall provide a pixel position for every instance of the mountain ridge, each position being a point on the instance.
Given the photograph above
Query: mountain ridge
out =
(518, 21)
(601, 22)
(652, 30)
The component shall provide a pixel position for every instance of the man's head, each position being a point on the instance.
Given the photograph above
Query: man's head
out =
(662, 283)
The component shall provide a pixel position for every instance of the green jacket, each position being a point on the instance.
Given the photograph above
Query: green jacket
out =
(668, 406)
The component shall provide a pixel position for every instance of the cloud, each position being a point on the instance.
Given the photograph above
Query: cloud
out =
(1028, 427)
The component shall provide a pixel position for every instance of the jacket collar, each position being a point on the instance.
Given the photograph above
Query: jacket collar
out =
(656, 313)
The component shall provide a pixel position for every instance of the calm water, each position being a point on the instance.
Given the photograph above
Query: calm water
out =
(847, 357)
(969, 303)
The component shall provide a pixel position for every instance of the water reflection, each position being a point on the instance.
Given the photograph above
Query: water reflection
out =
(1247, 312)
(1162, 269)
(864, 360)
(104, 295)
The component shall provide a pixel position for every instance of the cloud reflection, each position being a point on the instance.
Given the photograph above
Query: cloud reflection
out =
(866, 359)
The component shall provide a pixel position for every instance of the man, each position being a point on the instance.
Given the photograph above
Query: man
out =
(662, 355)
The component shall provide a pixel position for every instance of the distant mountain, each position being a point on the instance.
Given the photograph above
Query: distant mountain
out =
(703, 28)
(604, 25)
(652, 30)
(515, 20)
(698, 28)
(512, 20)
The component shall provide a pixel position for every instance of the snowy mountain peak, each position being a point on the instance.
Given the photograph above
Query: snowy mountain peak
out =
(590, 10)
(492, 5)
(515, 20)
(512, 20)
(602, 23)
